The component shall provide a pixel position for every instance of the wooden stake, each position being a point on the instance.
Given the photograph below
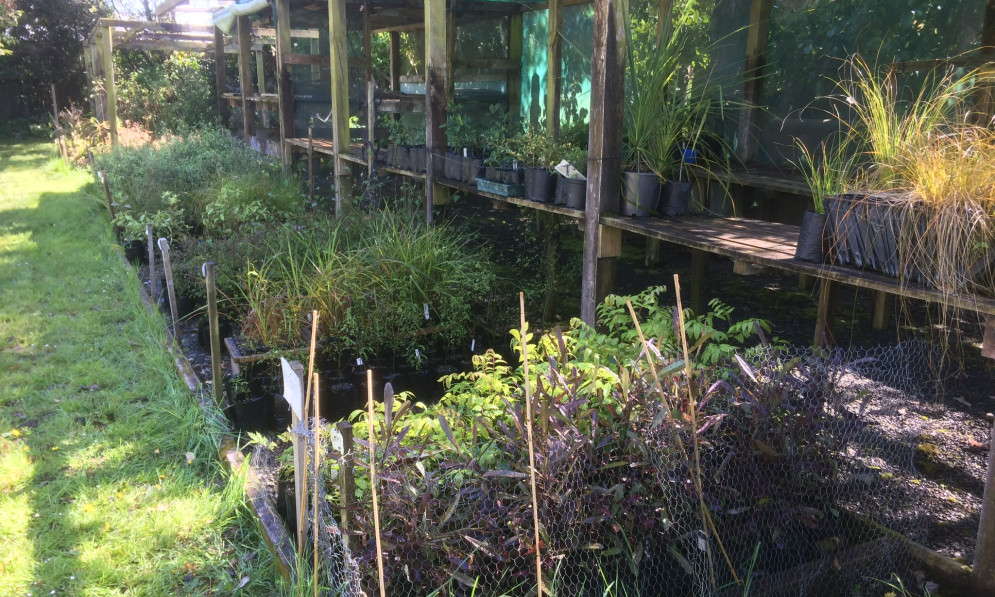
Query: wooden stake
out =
(316, 515)
(212, 314)
(347, 479)
(373, 479)
(153, 276)
(110, 203)
(680, 443)
(528, 431)
(310, 161)
(693, 411)
(168, 267)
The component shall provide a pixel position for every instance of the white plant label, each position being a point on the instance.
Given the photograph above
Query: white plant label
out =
(473, 344)
(359, 362)
(292, 390)
(427, 316)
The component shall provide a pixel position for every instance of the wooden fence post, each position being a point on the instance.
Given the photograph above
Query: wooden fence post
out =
(110, 203)
(293, 392)
(170, 292)
(347, 479)
(153, 275)
(212, 313)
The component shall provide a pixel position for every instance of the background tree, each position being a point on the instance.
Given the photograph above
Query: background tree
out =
(45, 46)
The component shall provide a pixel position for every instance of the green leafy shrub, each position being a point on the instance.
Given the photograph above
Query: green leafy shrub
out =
(166, 95)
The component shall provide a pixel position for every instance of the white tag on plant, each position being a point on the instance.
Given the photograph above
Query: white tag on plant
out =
(359, 362)
(473, 344)
(427, 316)
(292, 390)
(567, 170)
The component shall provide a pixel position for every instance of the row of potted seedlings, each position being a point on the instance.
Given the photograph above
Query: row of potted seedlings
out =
(905, 199)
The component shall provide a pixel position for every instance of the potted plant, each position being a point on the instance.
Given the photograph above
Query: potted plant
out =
(924, 211)
(537, 153)
(826, 173)
(571, 191)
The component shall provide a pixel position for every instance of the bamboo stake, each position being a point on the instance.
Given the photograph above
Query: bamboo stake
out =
(693, 408)
(532, 456)
(110, 203)
(310, 160)
(307, 407)
(170, 291)
(373, 479)
(680, 443)
(317, 461)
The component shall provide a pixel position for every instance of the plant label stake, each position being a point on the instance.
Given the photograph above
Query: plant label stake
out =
(528, 431)
(293, 392)
(310, 160)
(316, 512)
(170, 292)
(212, 314)
(153, 277)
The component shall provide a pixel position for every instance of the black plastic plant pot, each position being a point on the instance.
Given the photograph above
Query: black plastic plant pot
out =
(454, 166)
(253, 413)
(286, 503)
(575, 194)
(473, 168)
(338, 398)
(675, 198)
(811, 245)
(511, 175)
(402, 158)
(640, 194)
(136, 251)
(540, 185)
(416, 159)
(204, 331)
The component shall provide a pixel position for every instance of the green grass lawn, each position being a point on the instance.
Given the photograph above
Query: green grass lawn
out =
(109, 481)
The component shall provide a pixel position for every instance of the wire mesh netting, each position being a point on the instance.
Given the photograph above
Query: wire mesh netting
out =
(786, 471)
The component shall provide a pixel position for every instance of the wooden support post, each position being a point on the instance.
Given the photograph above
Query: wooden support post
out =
(882, 310)
(261, 86)
(153, 275)
(212, 314)
(58, 127)
(245, 78)
(988, 343)
(167, 266)
(339, 65)
(97, 57)
(310, 160)
(828, 292)
(516, 33)
(395, 61)
(371, 126)
(699, 270)
(753, 75)
(806, 282)
(554, 67)
(220, 76)
(367, 43)
(983, 570)
(438, 92)
(284, 87)
(293, 392)
(663, 13)
(652, 257)
(109, 87)
(347, 479)
(604, 172)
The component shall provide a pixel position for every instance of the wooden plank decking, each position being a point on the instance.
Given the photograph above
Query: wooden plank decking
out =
(769, 244)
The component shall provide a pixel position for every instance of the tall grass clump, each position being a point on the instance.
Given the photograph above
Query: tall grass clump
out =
(929, 156)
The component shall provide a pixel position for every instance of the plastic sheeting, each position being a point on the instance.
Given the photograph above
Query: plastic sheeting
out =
(225, 18)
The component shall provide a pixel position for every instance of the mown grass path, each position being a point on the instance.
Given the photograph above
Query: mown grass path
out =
(108, 477)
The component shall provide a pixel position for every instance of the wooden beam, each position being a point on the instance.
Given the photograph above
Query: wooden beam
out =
(367, 44)
(515, 39)
(167, 45)
(220, 77)
(339, 53)
(438, 91)
(155, 26)
(753, 75)
(261, 85)
(245, 80)
(605, 148)
(488, 64)
(554, 67)
(109, 86)
(167, 6)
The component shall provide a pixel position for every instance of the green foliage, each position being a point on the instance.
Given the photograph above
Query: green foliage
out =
(207, 174)
(166, 96)
(534, 148)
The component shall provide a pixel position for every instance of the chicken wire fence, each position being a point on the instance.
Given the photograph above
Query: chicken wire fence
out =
(788, 475)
